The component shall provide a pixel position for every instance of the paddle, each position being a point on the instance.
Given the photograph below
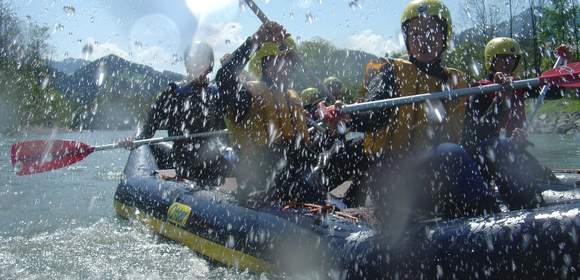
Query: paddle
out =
(563, 76)
(37, 156)
(264, 19)
(562, 53)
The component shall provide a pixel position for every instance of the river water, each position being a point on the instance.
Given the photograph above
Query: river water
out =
(62, 225)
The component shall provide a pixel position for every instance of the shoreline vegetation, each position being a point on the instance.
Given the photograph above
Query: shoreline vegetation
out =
(560, 116)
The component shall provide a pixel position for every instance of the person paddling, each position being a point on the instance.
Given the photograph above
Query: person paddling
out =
(341, 156)
(494, 132)
(266, 119)
(190, 107)
(416, 169)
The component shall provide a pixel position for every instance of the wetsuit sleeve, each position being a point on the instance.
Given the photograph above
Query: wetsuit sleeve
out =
(233, 95)
(381, 85)
(156, 116)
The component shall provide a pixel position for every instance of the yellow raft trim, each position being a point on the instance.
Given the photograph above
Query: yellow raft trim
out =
(208, 248)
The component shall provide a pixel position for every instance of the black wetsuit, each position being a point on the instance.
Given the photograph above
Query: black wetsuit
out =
(188, 109)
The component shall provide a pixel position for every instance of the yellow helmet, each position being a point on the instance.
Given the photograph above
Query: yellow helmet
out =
(501, 45)
(433, 8)
(269, 49)
(311, 95)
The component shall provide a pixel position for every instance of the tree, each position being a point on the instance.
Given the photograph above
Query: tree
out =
(8, 29)
(484, 16)
(321, 59)
(25, 88)
(558, 25)
(469, 58)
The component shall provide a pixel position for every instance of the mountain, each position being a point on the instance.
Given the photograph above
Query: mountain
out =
(112, 92)
(69, 65)
(112, 75)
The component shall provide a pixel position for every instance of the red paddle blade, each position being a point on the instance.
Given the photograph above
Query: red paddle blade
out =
(571, 85)
(32, 157)
(564, 76)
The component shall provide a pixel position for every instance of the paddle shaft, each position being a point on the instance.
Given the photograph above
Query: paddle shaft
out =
(448, 94)
(164, 139)
(257, 11)
(184, 137)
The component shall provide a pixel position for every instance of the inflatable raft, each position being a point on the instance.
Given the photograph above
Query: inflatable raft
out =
(539, 243)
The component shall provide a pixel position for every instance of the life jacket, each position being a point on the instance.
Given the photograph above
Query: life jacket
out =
(274, 119)
(408, 125)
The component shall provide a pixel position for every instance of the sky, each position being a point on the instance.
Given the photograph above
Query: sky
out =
(155, 32)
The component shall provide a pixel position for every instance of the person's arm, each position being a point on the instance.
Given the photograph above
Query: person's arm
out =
(381, 86)
(157, 114)
(227, 75)
(233, 96)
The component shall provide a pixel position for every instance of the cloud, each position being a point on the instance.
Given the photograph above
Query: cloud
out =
(103, 49)
(373, 43)
(155, 56)
(223, 37)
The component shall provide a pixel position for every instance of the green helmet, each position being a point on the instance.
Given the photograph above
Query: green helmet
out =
(501, 46)
(433, 8)
(269, 49)
(332, 81)
(311, 95)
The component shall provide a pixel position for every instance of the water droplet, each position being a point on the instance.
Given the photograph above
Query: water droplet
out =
(402, 40)
(310, 18)
(87, 50)
(58, 27)
(45, 82)
(475, 68)
(231, 242)
(69, 10)
(491, 154)
(354, 4)
(176, 58)
(100, 74)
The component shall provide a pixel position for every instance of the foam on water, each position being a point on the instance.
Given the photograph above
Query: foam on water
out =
(62, 224)
(109, 249)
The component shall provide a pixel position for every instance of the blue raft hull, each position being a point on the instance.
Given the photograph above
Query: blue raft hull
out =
(535, 244)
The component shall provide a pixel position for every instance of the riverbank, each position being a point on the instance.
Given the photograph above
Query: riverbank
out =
(560, 116)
